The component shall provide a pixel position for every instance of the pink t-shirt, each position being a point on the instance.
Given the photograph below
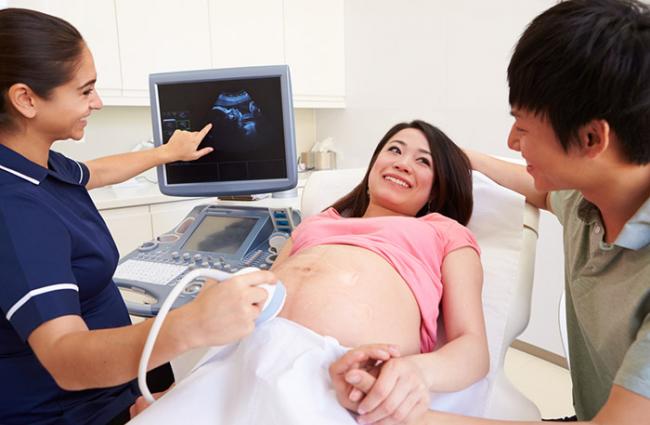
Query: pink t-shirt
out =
(415, 247)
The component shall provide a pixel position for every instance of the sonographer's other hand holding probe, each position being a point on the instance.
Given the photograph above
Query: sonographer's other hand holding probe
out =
(225, 312)
(227, 309)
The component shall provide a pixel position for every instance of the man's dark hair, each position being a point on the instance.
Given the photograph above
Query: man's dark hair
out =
(588, 59)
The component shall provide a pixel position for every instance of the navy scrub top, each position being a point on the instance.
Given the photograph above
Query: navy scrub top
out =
(57, 258)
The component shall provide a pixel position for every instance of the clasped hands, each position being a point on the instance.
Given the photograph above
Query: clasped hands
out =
(382, 387)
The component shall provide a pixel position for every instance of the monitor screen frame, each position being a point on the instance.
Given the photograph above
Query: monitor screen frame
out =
(239, 187)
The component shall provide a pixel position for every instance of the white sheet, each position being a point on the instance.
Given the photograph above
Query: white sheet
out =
(276, 376)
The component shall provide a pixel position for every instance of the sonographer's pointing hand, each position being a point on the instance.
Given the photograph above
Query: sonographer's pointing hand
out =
(183, 145)
(224, 312)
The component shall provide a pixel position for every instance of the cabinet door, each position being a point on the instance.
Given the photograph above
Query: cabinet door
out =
(314, 50)
(96, 22)
(246, 33)
(161, 36)
(129, 226)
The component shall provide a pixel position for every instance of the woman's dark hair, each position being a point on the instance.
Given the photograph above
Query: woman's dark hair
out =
(36, 49)
(588, 59)
(451, 192)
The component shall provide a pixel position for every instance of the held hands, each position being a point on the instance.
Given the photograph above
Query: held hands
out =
(382, 387)
(224, 312)
(183, 145)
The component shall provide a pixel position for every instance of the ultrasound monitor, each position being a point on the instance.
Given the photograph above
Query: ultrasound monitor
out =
(252, 131)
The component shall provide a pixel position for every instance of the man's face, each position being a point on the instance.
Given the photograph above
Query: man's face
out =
(546, 161)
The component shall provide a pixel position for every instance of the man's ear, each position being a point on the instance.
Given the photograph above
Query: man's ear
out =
(595, 137)
(23, 99)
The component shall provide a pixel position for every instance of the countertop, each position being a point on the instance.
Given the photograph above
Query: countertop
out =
(143, 192)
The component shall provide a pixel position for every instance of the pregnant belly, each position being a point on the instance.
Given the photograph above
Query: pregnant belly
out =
(351, 294)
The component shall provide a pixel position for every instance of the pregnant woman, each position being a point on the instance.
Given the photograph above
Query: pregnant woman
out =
(379, 266)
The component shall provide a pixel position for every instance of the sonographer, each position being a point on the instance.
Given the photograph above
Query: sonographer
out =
(68, 351)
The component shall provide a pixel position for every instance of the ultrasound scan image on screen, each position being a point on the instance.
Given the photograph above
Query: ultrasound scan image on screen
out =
(251, 112)
(221, 235)
(247, 128)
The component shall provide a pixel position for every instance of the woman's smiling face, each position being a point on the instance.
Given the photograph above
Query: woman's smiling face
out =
(401, 178)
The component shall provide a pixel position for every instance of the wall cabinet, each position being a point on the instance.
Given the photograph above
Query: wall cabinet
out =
(96, 22)
(160, 36)
(131, 39)
(314, 48)
(246, 33)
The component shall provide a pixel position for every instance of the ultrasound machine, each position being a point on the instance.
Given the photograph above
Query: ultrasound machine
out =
(254, 152)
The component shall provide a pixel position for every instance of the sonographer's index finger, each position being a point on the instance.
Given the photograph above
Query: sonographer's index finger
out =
(205, 130)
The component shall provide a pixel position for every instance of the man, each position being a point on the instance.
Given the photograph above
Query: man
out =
(580, 95)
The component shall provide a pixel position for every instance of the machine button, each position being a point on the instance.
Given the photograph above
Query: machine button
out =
(197, 257)
(186, 256)
(175, 255)
(205, 264)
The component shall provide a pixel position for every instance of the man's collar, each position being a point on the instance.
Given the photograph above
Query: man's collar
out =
(636, 232)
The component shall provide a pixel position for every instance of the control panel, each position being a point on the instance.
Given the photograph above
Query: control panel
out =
(209, 237)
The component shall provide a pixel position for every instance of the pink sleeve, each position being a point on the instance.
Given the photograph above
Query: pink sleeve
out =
(459, 236)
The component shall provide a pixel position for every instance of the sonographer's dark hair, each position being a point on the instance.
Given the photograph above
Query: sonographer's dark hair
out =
(451, 192)
(36, 49)
(588, 59)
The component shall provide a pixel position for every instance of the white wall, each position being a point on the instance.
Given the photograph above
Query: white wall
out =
(444, 62)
